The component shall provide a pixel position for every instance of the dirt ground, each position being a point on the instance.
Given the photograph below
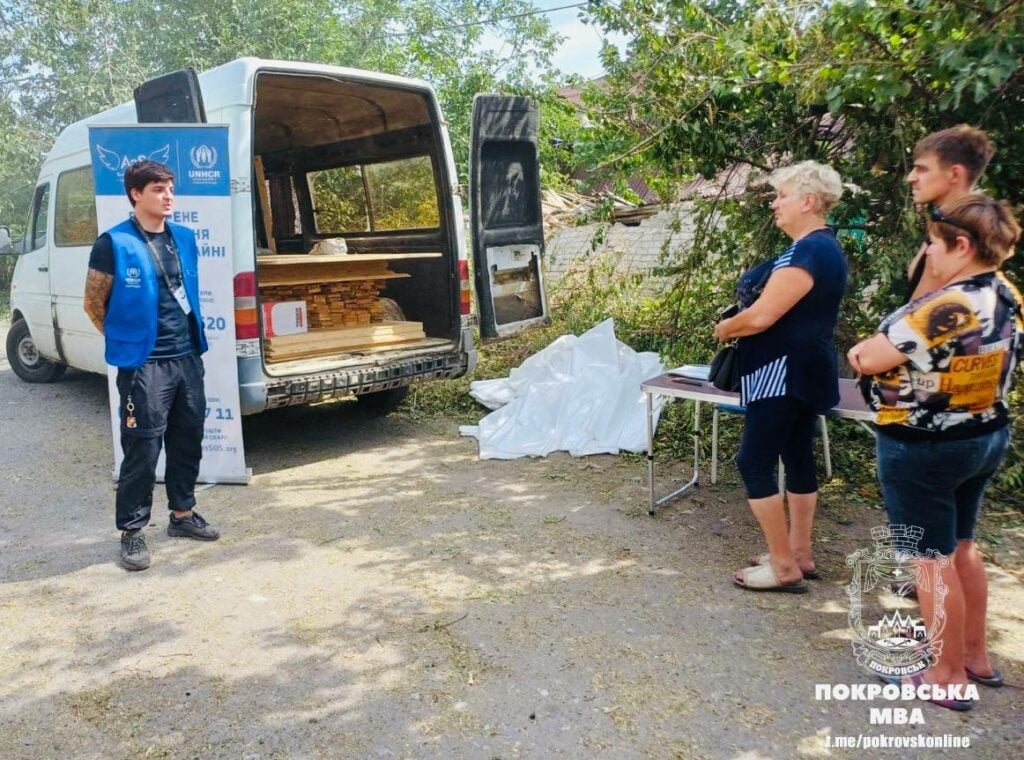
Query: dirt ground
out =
(379, 592)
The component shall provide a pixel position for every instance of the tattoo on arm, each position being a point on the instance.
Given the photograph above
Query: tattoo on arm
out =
(97, 294)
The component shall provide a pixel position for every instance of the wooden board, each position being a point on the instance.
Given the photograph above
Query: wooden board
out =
(296, 270)
(277, 279)
(283, 259)
(342, 339)
(296, 355)
(261, 185)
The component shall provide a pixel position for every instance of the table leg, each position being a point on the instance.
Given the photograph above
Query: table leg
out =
(655, 501)
(696, 440)
(650, 452)
(714, 444)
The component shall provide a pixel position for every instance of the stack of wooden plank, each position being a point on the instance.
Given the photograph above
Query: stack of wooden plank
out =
(342, 340)
(342, 302)
(334, 304)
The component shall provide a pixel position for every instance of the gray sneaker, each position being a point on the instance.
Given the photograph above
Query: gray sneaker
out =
(134, 552)
(193, 526)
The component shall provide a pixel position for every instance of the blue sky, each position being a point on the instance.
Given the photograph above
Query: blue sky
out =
(578, 53)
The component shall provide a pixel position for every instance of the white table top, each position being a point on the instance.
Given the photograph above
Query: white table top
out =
(851, 404)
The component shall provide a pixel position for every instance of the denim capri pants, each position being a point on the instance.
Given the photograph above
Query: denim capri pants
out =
(938, 485)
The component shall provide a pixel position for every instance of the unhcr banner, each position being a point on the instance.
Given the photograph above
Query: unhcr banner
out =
(198, 156)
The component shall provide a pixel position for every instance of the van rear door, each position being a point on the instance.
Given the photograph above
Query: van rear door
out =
(173, 98)
(505, 215)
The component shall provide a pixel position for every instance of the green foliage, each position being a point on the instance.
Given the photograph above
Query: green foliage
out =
(64, 60)
(401, 193)
(707, 86)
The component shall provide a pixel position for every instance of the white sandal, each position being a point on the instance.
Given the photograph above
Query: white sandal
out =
(763, 578)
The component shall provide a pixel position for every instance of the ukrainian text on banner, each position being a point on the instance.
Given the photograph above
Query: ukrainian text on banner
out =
(198, 156)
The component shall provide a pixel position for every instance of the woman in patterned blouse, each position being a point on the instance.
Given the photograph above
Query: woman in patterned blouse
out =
(941, 368)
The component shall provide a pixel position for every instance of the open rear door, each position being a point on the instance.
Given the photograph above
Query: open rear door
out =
(173, 98)
(505, 215)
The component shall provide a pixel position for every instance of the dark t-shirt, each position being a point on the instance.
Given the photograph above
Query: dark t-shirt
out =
(175, 332)
(914, 279)
(797, 356)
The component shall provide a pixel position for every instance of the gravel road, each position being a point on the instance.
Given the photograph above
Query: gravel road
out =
(379, 592)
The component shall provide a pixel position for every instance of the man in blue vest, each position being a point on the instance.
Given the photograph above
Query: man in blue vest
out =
(142, 294)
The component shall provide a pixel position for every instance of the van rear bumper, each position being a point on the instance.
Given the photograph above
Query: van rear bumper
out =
(272, 393)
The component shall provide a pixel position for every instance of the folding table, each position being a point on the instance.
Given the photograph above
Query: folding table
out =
(851, 406)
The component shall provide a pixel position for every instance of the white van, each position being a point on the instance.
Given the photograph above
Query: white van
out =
(318, 153)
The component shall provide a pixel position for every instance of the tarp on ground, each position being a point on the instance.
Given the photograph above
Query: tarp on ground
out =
(579, 394)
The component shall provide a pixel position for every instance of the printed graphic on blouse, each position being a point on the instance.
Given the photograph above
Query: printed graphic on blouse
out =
(962, 344)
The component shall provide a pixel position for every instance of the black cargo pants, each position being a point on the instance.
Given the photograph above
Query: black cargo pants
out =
(169, 409)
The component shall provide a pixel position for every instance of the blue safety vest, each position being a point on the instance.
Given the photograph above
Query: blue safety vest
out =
(131, 321)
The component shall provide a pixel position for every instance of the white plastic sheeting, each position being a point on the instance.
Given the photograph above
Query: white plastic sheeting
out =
(580, 394)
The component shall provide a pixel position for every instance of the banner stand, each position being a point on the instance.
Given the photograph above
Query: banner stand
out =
(198, 156)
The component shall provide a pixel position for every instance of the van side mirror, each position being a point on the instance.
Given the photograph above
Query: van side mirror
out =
(6, 248)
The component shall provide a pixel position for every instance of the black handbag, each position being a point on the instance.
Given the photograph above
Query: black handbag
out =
(725, 369)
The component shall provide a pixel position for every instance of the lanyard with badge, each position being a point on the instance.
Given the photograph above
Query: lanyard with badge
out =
(179, 291)
(179, 296)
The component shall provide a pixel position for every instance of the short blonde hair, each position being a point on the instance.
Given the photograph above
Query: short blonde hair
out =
(819, 180)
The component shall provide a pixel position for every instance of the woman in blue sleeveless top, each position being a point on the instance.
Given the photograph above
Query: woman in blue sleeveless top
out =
(789, 371)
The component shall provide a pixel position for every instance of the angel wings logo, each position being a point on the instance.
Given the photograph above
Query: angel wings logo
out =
(895, 644)
(119, 164)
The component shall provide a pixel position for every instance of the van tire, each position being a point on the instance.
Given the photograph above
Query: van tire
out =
(25, 359)
(384, 402)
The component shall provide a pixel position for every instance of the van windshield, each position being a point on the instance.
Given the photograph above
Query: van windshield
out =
(390, 195)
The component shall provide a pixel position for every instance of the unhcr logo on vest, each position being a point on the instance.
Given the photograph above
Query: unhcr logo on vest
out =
(133, 277)
(203, 158)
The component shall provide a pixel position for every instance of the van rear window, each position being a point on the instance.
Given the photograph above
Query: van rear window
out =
(391, 195)
(75, 222)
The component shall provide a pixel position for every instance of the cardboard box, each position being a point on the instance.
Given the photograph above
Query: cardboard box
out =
(284, 318)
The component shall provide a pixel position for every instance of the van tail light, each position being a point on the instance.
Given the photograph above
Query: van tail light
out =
(247, 325)
(465, 295)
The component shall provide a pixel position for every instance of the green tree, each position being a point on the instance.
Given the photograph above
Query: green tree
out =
(67, 59)
(712, 84)
(706, 85)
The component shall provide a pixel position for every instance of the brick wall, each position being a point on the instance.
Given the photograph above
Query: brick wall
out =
(632, 249)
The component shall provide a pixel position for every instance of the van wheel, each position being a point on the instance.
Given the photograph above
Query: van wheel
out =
(25, 359)
(383, 402)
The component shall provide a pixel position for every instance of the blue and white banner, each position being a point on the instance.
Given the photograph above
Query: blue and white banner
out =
(198, 156)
